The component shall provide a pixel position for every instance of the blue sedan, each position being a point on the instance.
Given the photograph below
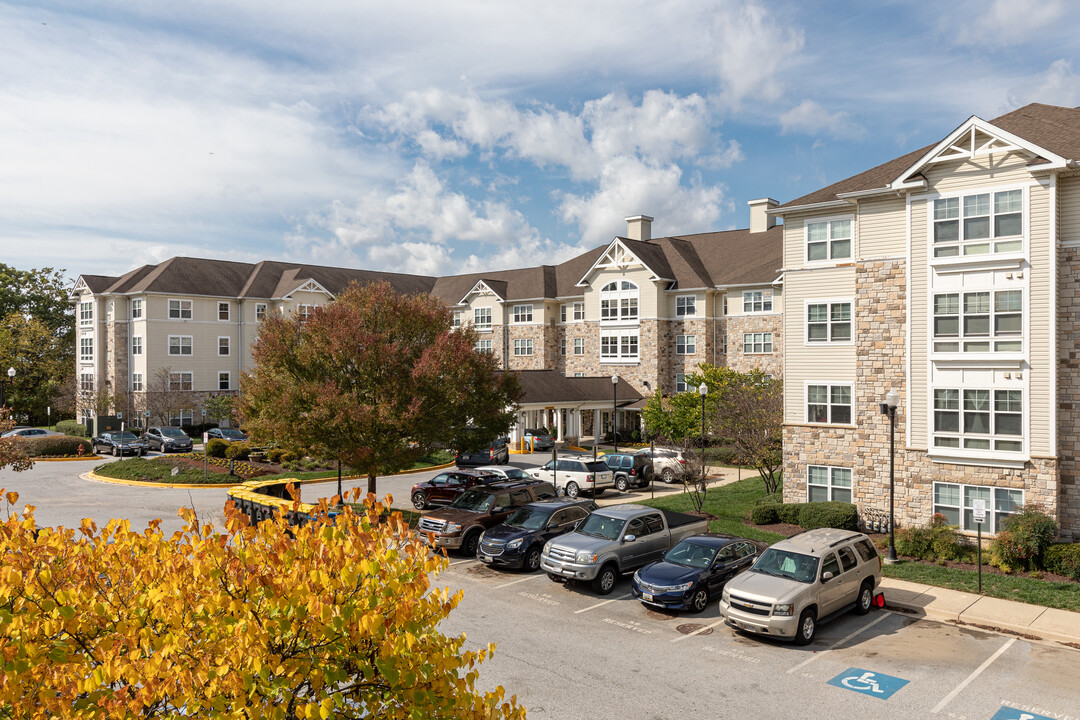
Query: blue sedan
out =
(693, 572)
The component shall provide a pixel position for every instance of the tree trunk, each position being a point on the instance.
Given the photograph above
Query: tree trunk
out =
(371, 483)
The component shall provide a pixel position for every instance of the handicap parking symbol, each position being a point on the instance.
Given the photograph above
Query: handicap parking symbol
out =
(1007, 713)
(868, 683)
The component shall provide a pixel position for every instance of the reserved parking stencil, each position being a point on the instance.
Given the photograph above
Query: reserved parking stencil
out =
(868, 683)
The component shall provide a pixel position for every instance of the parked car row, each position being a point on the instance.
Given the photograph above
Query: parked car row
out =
(162, 438)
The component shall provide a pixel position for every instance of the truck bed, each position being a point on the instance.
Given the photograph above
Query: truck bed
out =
(676, 520)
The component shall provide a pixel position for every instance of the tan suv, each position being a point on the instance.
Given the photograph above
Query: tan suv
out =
(810, 576)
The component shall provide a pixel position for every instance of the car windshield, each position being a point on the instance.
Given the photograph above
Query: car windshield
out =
(124, 437)
(473, 500)
(691, 554)
(602, 526)
(528, 518)
(786, 564)
(172, 432)
(516, 474)
(230, 433)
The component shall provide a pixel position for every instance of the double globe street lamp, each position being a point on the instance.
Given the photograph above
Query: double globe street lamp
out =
(892, 399)
(615, 411)
(10, 381)
(703, 390)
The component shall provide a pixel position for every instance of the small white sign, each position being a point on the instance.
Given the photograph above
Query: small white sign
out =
(205, 437)
(978, 510)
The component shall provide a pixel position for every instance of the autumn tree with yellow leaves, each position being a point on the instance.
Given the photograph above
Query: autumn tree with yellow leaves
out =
(332, 619)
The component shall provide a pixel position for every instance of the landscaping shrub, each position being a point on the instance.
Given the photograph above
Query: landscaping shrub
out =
(840, 515)
(789, 513)
(288, 457)
(777, 498)
(274, 454)
(721, 456)
(936, 542)
(765, 514)
(1024, 540)
(57, 446)
(72, 427)
(1063, 559)
(217, 447)
(237, 450)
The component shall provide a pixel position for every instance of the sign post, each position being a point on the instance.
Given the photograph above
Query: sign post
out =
(205, 462)
(978, 511)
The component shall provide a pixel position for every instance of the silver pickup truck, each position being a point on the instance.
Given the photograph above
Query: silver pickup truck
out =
(616, 540)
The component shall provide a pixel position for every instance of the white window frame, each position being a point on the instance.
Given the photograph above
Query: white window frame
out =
(579, 346)
(831, 241)
(484, 346)
(626, 348)
(686, 344)
(829, 323)
(579, 312)
(136, 345)
(478, 316)
(961, 400)
(228, 380)
(260, 311)
(757, 302)
(137, 382)
(227, 306)
(86, 348)
(680, 383)
(562, 346)
(757, 343)
(523, 314)
(562, 312)
(182, 307)
(136, 309)
(86, 382)
(996, 342)
(86, 313)
(833, 485)
(227, 346)
(523, 347)
(686, 306)
(177, 420)
(620, 302)
(306, 311)
(968, 249)
(832, 401)
(180, 346)
(179, 378)
(998, 507)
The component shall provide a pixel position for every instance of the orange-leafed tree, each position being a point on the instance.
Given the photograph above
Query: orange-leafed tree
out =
(12, 449)
(374, 380)
(269, 621)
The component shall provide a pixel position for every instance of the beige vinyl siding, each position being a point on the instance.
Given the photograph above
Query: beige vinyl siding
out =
(1042, 307)
(479, 301)
(650, 296)
(803, 363)
(882, 231)
(735, 301)
(1069, 210)
(986, 170)
(795, 235)
(918, 305)
(669, 304)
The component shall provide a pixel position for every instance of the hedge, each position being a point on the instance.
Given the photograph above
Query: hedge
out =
(238, 451)
(789, 513)
(57, 446)
(765, 514)
(216, 447)
(1063, 559)
(840, 515)
(72, 427)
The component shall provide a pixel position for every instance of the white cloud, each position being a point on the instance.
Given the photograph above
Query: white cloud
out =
(1059, 85)
(1003, 22)
(811, 118)
(752, 47)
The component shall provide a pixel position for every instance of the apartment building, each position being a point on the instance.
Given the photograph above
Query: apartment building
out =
(646, 310)
(952, 275)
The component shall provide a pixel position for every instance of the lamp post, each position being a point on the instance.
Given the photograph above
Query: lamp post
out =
(703, 390)
(10, 381)
(892, 399)
(614, 411)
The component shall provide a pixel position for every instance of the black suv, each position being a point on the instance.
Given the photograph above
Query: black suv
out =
(497, 452)
(444, 488)
(518, 542)
(460, 525)
(630, 470)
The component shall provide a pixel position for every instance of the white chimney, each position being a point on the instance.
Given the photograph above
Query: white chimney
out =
(760, 220)
(639, 227)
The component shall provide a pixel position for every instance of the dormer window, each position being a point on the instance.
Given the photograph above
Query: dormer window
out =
(619, 301)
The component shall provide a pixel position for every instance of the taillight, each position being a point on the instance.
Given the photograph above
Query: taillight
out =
(682, 461)
(633, 472)
(491, 454)
(588, 479)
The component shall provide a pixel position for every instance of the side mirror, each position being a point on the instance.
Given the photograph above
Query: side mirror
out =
(826, 576)
(552, 526)
(630, 538)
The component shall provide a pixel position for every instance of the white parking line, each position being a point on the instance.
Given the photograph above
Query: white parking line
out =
(838, 643)
(699, 631)
(515, 582)
(972, 676)
(601, 604)
(463, 562)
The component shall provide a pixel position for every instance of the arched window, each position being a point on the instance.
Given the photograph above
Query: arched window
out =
(619, 301)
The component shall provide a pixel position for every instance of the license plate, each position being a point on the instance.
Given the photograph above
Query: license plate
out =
(648, 597)
(747, 628)
(485, 558)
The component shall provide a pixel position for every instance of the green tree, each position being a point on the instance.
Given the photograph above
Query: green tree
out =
(672, 419)
(374, 380)
(220, 407)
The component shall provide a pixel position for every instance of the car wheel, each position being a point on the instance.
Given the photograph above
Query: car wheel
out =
(605, 580)
(419, 501)
(804, 634)
(866, 599)
(468, 545)
(622, 485)
(700, 600)
(644, 485)
(572, 489)
(114, 451)
(532, 559)
(668, 476)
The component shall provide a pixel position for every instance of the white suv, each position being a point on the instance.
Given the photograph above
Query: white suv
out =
(667, 464)
(572, 475)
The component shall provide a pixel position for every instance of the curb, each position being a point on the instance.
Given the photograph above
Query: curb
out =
(68, 459)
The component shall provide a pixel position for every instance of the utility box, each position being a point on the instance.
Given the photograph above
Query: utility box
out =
(104, 423)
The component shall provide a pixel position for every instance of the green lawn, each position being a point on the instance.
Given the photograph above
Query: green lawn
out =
(1009, 587)
(153, 470)
(730, 504)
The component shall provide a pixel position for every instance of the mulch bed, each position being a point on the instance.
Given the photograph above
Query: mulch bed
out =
(192, 463)
(785, 529)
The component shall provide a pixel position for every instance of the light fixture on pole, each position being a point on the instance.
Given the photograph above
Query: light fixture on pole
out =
(10, 381)
(614, 411)
(703, 390)
(892, 399)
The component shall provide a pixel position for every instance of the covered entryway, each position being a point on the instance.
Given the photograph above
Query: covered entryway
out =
(575, 409)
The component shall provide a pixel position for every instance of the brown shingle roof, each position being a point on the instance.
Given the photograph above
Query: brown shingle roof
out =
(550, 386)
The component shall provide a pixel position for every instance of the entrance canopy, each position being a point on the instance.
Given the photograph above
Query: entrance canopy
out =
(574, 406)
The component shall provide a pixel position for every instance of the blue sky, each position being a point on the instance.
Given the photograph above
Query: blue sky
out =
(445, 137)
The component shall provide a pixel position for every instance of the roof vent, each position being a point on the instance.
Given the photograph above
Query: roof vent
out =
(639, 227)
(760, 220)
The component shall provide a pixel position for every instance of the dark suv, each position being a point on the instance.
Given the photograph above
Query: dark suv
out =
(630, 470)
(446, 486)
(474, 511)
(497, 452)
(167, 439)
(518, 542)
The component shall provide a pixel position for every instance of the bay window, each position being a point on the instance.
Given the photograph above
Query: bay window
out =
(979, 419)
(983, 321)
(978, 224)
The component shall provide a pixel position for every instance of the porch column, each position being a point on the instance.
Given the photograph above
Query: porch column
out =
(558, 425)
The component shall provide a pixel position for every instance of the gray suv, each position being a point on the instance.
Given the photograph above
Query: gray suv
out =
(796, 582)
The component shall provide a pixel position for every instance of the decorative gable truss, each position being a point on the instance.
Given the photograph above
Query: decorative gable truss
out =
(480, 288)
(311, 286)
(80, 288)
(616, 257)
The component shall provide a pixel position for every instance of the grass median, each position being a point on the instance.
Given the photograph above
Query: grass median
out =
(731, 504)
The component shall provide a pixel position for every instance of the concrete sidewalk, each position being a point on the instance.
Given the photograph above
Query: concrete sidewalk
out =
(1032, 622)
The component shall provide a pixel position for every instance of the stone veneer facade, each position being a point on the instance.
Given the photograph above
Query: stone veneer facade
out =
(116, 356)
(737, 325)
(1068, 386)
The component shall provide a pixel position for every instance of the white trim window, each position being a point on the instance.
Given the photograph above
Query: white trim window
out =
(136, 345)
(686, 306)
(523, 347)
(86, 348)
(86, 313)
(223, 346)
(680, 383)
(86, 382)
(224, 380)
(825, 484)
(757, 343)
(136, 382)
(828, 322)
(619, 301)
(978, 224)
(982, 321)
(223, 311)
(260, 311)
(306, 311)
(619, 345)
(579, 346)
(685, 344)
(179, 309)
(979, 419)
(956, 502)
(183, 381)
(828, 239)
(828, 404)
(562, 346)
(136, 309)
(484, 346)
(523, 314)
(756, 301)
(562, 312)
(579, 312)
(482, 319)
(181, 418)
(180, 345)
(457, 318)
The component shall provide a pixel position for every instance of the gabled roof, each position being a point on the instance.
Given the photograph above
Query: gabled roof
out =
(623, 252)
(550, 386)
(95, 283)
